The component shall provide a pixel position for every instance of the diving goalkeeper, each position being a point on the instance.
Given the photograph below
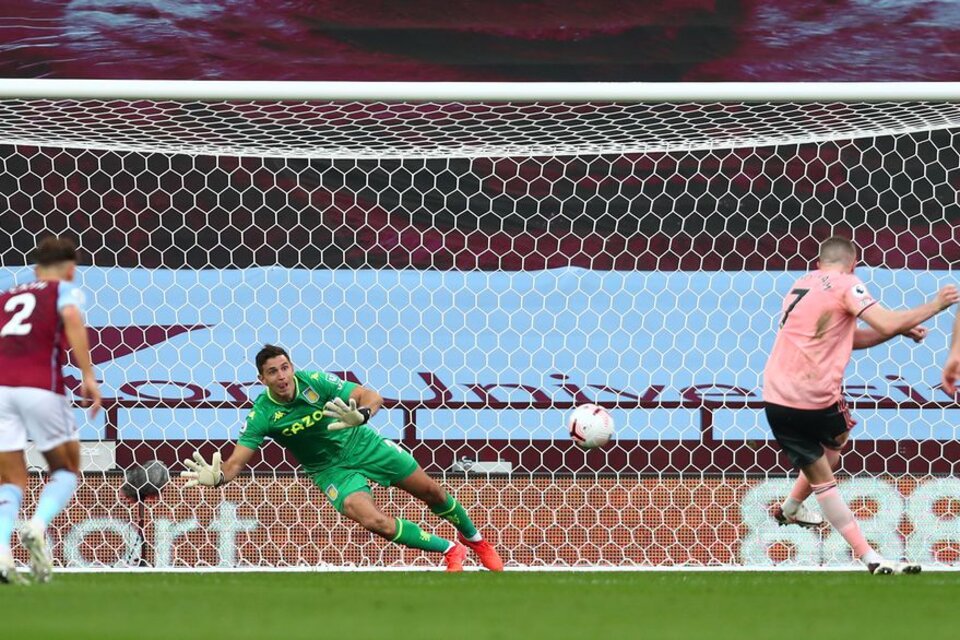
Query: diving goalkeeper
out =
(322, 421)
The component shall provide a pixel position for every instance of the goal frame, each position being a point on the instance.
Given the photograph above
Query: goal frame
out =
(43, 88)
(499, 92)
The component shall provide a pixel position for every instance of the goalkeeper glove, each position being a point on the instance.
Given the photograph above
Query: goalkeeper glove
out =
(345, 416)
(209, 475)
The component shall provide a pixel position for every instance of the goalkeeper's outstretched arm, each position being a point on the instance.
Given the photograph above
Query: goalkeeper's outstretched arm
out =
(237, 462)
(216, 473)
(367, 398)
(362, 405)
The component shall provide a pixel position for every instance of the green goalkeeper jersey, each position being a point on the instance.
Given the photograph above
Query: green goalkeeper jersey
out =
(299, 425)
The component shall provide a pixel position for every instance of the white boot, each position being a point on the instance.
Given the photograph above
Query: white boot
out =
(890, 567)
(802, 518)
(908, 568)
(33, 537)
(8, 570)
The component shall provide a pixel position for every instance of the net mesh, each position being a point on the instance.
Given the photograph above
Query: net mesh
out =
(487, 267)
(396, 130)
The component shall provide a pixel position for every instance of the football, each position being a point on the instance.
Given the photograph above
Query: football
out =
(590, 426)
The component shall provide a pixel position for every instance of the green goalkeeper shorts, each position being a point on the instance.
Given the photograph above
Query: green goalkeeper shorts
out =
(370, 458)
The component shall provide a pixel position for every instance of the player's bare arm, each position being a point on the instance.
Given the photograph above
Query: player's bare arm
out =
(866, 337)
(236, 463)
(886, 324)
(76, 333)
(951, 368)
(367, 398)
(889, 323)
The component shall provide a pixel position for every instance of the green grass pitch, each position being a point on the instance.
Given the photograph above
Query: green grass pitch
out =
(523, 605)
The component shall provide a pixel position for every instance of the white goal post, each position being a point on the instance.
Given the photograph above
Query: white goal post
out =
(488, 256)
(522, 92)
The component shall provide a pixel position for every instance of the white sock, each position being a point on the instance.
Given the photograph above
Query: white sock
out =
(475, 537)
(790, 507)
(56, 495)
(10, 498)
(870, 557)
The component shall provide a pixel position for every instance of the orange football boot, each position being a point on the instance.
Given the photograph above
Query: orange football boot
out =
(489, 557)
(455, 557)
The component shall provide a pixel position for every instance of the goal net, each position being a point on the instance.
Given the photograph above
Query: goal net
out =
(486, 264)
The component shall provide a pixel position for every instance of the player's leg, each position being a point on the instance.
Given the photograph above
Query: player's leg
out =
(426, 489)
(348, 491)
(50, 423)
(798, 431)
(803, 434)
(63, 462)
(792, 510)
(835, 418)
(837, 513)
(13, 483)
(389, 464)
(13, 480)
(819, 474)
(360, 507)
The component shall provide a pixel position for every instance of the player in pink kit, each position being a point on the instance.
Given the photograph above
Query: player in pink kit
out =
(951, 368)
(38, 320)
(803, 378)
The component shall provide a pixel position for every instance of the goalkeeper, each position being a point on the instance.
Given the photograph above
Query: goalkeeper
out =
(322, 421)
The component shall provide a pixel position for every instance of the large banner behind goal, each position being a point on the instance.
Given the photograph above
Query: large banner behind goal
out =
(485, 278)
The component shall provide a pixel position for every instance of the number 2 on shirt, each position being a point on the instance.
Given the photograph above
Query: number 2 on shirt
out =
(21, 306)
